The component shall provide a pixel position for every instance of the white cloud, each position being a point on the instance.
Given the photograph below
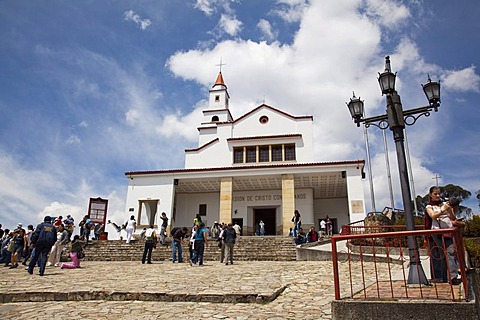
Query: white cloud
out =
(23, 190)
(229, 24)
(206, 6)
(462, 80)
(210, 6)
(73, 139)
(388, 13)
(83, 87)
(132, 116)
(266, 29)
(291, 10)
(130, 15)
(336, 50)
(180, 125)
(421, 175)
(33, 193)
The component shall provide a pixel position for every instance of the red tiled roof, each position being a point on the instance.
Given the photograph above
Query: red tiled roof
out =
(201, 147)
(260, 167)
(269, 107)
(274, 109)
(219, 80)
(293, 135)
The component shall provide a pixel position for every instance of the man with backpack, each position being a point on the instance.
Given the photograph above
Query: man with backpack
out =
(150, 243)
(43, 239)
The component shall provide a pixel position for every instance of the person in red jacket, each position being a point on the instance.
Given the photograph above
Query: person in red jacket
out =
(312, 235)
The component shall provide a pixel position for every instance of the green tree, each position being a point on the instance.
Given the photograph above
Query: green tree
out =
(449, 191)
(478, 197)
(457, 191)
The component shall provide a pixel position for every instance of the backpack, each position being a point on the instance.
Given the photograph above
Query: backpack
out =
(81, 254)
(174, 230)
(47, 235)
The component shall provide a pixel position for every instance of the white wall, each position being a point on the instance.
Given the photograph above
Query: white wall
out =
(219, 154)
(187, 208)
(245, 201)
(333, 208)
(356, 196)
(150, 188)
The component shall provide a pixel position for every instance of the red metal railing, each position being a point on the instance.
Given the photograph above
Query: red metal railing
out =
(359, 227)
(375, 265)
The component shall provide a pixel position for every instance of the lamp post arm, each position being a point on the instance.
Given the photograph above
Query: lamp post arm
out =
(411, 116)
(419, 110)
(377, 121)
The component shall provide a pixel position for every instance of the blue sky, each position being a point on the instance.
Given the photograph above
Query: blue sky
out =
(92, 89)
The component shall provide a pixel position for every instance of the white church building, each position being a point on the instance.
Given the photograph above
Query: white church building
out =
(259, 166)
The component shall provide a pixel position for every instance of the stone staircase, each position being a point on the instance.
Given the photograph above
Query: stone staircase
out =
(266, 248)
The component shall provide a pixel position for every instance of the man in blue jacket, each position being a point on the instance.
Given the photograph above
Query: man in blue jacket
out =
(42, 240)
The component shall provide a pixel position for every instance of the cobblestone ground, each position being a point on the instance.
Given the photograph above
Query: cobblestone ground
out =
(307, 290)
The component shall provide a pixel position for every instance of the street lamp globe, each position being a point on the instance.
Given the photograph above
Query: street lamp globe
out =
(387, 78)
(355, 106)
(432, 91)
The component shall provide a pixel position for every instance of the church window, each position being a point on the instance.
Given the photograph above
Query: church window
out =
(289, 152)
(251, 154)
(217, 98)
(263, 154)
(263, 119)
(202, 209)
(277, 153)
(215, 118)
(238, 155)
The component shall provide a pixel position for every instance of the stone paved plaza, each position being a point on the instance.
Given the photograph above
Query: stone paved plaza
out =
(300, 289)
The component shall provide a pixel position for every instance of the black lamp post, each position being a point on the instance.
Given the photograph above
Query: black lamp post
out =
(396, 118)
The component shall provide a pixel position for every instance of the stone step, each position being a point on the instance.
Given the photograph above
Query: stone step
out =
(268, 248)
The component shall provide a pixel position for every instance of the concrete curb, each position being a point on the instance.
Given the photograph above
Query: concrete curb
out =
(401, 310)
(141, 296)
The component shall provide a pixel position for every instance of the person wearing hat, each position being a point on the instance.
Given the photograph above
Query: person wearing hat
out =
(43, 238)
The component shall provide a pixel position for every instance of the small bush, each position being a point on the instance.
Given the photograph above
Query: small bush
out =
(418, 220)
(473, 248)
(377, 219)
(472, 227)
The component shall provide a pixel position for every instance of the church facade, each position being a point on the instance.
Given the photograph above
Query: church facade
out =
(259, 166)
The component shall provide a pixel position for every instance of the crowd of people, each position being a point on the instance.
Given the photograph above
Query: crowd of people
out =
(299, 235)
(43, 245)
(224, 234)
(197, 239)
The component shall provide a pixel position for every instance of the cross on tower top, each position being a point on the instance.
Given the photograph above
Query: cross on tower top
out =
(436, 179)
(220, 65)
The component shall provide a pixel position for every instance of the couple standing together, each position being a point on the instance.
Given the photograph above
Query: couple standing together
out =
(443, 255)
